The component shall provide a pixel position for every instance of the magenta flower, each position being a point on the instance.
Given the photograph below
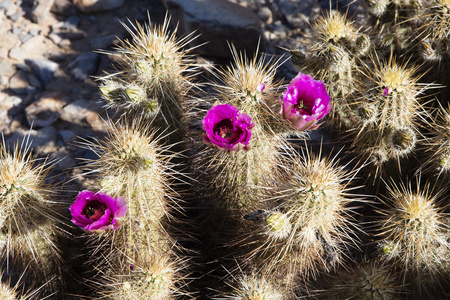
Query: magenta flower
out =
(227, 129)
(97, 212)
(305, 102)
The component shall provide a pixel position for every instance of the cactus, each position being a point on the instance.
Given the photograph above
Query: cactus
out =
(154, 75)
(309, 229)
(414, 233)
(368, 280)
(252, 287)
(132, 166)
(29, 219)
(438, 147)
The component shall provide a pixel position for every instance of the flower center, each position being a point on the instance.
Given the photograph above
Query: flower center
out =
(225, 129)
(303, 108)
(94, 210)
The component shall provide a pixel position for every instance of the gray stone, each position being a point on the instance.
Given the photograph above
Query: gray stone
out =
(63, 160)
(45, 111)
(33, 81)
(19, 83)
(17, 53)
(102, 42)
(78, 111)
(40, 10)
(15, 16)
(265, 14)
(10, 102)
(297, 12)
(84, 65)
(67, 136)
(43, 140)
(6, 4)
(43, 69)
(63, 7)
(6, 68)
(217, 22)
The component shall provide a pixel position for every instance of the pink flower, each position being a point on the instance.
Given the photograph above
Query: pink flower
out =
(97, 212)
(305, 102)
(227, 129)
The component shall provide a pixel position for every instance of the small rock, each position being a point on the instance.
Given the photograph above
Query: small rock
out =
(63, 7)
(6, 68)
(17, 53)
(4, 120)
(84, 65)
(34, 32)
(35, 42)
(55, 38)
(45, 111)
(43, 140)
(297, 13)
(6, 4)
(9, 102)
(19, 83)
(67, 136)
(77, 111)
(90, 6)
(217, 24)
(40, 10)
(43, 69)
(103, 42)
(265, 14)
(63, 159)
(33, 81)
(14, 17)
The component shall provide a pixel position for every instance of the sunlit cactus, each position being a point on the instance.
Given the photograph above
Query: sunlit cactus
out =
(153, 277)
(310, 228)
(333, 57)
(29, 218)
(250, 85)
(248, 95)
(254, 287)
(414, 233)
(131, 165)
(388, 114)
(154, 75)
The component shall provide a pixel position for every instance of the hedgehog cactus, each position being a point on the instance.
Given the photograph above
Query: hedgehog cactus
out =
(333, 56)
(154, 76)
(29, 219)
(132, 168)
(309, 229)
(414, 233)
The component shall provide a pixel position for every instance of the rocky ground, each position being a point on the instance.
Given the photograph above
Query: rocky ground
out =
(49, 59)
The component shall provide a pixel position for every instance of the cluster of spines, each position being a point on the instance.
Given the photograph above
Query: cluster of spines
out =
(29, 220)
(154, 76)
(413, 236)
(137, 161)
(383, 113)
(309, 227)
(438, 146)
(333, 57)
(235, 177)
(369, 279)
